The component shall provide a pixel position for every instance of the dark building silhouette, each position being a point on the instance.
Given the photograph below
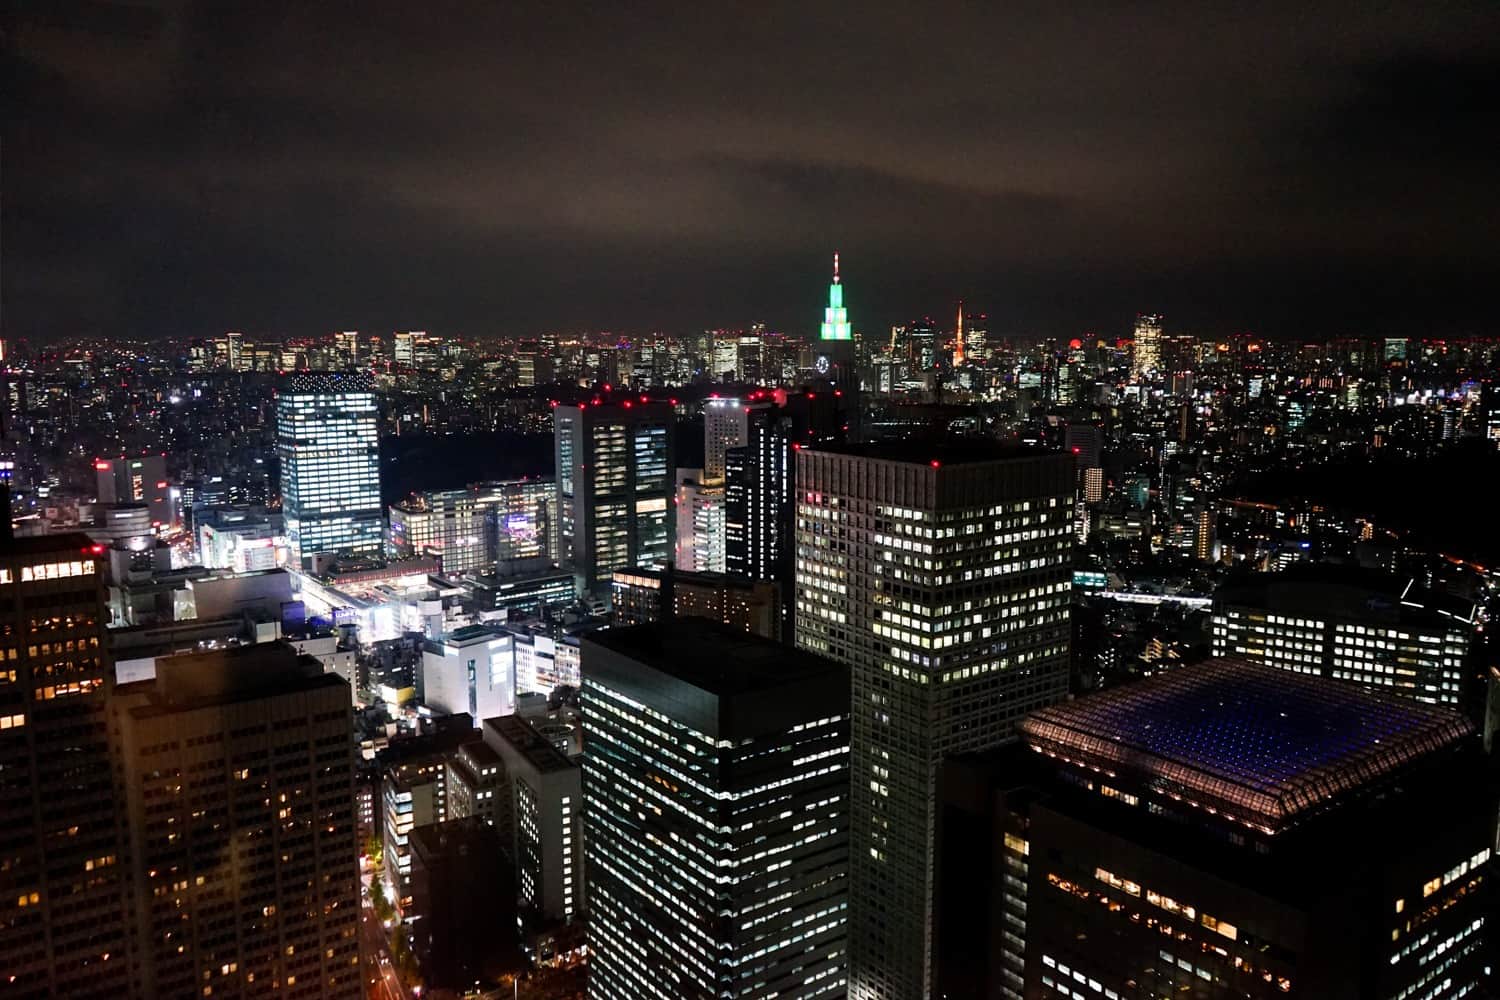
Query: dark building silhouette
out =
(463, 921)
(1224, 830)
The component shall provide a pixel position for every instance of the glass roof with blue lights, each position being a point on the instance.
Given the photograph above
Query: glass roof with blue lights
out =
(1252, 743)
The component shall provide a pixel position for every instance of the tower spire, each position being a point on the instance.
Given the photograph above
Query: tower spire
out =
(835, 316)
(958, 349)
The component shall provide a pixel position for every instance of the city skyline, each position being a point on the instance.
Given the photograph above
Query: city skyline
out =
(776, 502)
(181, 170)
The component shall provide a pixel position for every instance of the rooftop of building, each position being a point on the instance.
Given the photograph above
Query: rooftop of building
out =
(1251, 743)
(327, 382)
(470, 634)
(226, 676)
(449, 732)
(496, 581)
(714, 658)
(647, 576)
(537, 750)
(73, 542)
(1325, 591)
(455, 837)
(937, 454)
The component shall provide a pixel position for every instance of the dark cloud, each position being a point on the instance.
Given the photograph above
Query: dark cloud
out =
(179, 168)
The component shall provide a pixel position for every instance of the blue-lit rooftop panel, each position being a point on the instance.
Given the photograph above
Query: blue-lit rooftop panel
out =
(1253, 743)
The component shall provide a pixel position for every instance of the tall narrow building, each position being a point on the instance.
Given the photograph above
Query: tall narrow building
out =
(62, 904)
(1147, 358)
(614, 466)
(716, 782)
(836, 357)
(328, 440)
(237, 777)
(941, 577)
(725, 426)
(760, 481)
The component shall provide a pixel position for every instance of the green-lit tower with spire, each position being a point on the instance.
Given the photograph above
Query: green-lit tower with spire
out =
(836, 317)
(835, 358)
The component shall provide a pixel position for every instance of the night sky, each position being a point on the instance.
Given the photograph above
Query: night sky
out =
(179, 169)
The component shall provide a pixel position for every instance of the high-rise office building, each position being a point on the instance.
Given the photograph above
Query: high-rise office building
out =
(414, 792)
(725, 426)
(141, 479)
(615, 464)
(328, 440)
(1085, 442)
(235, 354)
(1147, 359)
(1223, 830)
(716, 782)
(346, 349)
(533, 364)
(760, 481)
(700, 523)
(237, 775)
(1384, 632)
(62, 860)
(941, 576)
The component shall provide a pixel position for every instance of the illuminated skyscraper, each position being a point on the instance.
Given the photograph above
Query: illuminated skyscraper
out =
(700, 523)
(941, 577)
(328, 439)
(835, 316)
(615, 465)
(62, 863)
(346, 349)
(725, 426)
(716, 784)
(836, 359)
(1147, 345)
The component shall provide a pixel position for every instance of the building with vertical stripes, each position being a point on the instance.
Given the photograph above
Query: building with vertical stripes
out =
(941, 577)
(716, 782)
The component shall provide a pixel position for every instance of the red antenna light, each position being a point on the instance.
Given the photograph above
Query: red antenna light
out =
(936, 464)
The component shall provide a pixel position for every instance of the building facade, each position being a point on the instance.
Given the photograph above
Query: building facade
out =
(1379, 631)
(700, 523)
(1147, 357)
(471, 671)
(941, 578)
(141, 479)
(615, 464)
(641, 596)
(547, 830)
(62, 877)
(237, 773)
(716, 780)
(724, 427)
(328, 441)
(473, 528)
